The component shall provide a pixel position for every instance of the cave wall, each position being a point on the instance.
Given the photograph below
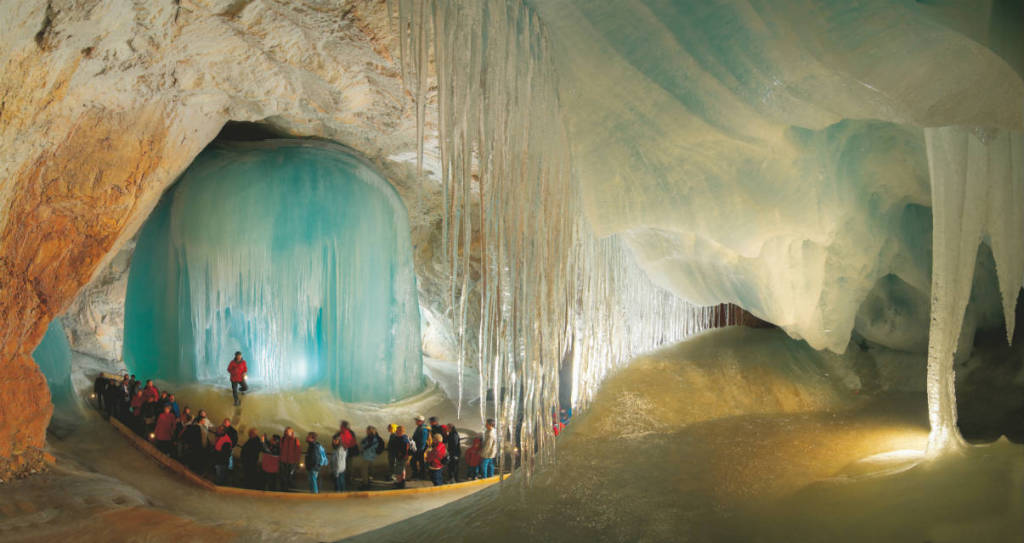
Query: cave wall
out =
(104, 104)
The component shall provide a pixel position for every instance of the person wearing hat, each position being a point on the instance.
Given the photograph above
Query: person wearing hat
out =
(419, 439)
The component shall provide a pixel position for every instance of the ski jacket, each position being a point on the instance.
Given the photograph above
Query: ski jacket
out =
(165, 425)
(237, 369)
(436, 455)
(291, 450)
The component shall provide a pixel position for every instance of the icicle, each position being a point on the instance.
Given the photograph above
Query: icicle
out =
(547, 290)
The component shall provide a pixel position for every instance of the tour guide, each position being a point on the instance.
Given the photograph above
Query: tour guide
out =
(237, 369)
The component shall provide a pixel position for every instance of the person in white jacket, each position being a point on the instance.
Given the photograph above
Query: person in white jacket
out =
(338, 461)
(489, 450)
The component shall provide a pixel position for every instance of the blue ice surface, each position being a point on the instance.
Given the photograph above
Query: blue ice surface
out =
(53, 355)
(295, 253)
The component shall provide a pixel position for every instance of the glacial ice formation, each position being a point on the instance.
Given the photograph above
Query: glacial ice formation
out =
(768, 154)
(296, 254)
(977, 180)
(548, 291)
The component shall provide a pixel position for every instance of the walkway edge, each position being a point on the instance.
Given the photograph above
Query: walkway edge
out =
(173, 465)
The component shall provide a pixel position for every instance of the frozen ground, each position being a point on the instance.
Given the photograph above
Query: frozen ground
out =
(744, 435)
(736, 435)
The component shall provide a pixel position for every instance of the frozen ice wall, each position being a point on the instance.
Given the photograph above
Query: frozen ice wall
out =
(296, 254)
(766, 153)
(770, 153)
(53, 355)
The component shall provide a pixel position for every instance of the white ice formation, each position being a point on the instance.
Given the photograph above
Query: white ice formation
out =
(768, 154)
(547, 290)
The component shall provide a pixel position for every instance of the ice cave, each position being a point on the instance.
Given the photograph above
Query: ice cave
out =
(622, 270)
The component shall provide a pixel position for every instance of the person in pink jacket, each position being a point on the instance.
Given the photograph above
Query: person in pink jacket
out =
(164, 431)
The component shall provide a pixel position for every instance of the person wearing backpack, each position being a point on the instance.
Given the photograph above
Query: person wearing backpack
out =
(420, 436)
(371, 446)
(398, 455)
(316, 459)
(345, 438)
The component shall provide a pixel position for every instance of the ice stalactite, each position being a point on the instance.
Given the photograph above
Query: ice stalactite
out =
(514, 233)
(295, 253)
(977, 180)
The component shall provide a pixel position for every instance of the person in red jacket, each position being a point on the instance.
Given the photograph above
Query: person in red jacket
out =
(473, 460)
(435, 460)
(150, 394)
(291, 452)
(164, 431)
(237, 370)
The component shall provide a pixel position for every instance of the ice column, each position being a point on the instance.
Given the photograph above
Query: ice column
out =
(549, 292)
(298, 255)
(977, 183)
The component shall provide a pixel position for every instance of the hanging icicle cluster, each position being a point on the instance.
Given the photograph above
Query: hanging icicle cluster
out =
(531, 288)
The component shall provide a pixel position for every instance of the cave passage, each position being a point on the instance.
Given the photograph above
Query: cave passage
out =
(295, 253)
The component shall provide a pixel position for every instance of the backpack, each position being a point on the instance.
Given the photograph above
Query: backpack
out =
(348, 439)
(321, 455)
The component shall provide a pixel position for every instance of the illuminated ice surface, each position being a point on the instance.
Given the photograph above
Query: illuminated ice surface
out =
(746, 435)
(296, 254)
(769, 154)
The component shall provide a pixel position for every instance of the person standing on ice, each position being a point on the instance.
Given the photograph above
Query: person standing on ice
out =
(489, 450)
(419, 441)
(237, 370)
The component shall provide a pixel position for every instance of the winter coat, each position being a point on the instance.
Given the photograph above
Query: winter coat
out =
(371, 447)
(192, 437)
(313, 456)
(454, 443)
(398, 447)
(150, 394)
(419, 437)
(232, 435)
(338, 460)
(291, 450)
(251, 452)
(489, 449)
(473, 456)
(222, 449)
(237, 369)
(137, 405)
(435, 456)
(271, 460)
(165, 425)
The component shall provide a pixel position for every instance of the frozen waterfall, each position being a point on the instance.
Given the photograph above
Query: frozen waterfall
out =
(295, 253)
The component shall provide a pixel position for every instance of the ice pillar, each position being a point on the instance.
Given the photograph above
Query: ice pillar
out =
(298, 255)
(977, 183)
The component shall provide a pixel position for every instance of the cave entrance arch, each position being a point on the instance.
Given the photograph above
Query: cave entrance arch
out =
(296, 253)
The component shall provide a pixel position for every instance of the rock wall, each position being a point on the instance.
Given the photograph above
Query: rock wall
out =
(104, 103)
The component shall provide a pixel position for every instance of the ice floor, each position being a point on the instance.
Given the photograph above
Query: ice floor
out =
(736, 435)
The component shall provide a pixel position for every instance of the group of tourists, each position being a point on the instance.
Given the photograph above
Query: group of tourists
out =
(431, 451)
